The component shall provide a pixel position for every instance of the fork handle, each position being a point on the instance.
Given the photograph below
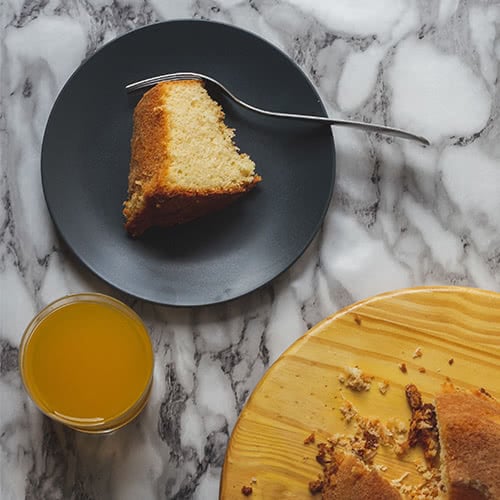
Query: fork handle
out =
(370, 127)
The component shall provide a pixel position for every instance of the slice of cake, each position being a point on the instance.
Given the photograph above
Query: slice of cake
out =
(348, 478)
(184, 163)
(469, 433)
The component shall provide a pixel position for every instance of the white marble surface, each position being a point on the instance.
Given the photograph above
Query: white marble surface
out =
(401, 216)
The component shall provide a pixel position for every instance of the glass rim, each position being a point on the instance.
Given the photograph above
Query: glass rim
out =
(123, 417)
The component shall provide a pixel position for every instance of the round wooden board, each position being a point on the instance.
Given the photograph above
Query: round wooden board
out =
(301, 393)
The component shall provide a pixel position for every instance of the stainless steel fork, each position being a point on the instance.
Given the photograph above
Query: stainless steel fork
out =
(370, 127)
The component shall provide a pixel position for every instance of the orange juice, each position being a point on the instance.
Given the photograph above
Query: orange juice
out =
(86, 360)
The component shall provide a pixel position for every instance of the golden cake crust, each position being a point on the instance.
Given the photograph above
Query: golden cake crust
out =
(149, 157)
(469, 428)
(152, 200)
(353, 481)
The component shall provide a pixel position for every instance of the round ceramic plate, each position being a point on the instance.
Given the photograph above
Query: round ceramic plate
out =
(85, 164)
(457, 333)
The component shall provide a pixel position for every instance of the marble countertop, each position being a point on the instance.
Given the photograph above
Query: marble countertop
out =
(401, 216)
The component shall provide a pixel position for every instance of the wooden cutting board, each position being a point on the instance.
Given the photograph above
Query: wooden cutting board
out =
(301, 392)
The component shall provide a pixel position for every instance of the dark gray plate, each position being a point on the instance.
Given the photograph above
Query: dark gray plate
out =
(86, 151)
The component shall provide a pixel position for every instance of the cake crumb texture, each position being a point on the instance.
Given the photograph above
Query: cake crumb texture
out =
(184, 163)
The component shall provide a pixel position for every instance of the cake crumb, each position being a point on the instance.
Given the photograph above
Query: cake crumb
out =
(348, 411)
(253, 480)
(399, 480)
(398, 440)
(421, 369)
(355, 379)
(316, 486)
(420, 466)
(482, 390)
(423, 425)
(402, 367)
(310, 439)
(451, 361)
(246, 490)
(418, 353)
(383, 387)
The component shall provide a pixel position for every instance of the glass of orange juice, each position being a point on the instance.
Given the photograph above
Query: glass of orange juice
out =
(86, 360)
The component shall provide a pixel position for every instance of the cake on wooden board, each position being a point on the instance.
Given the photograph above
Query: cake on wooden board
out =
(469, 434)
(184, 163)
(459, 435)
(350, 479)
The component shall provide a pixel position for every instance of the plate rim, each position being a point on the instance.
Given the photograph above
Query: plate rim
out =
(144, 296)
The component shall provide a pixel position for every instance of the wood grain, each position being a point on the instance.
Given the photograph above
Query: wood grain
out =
(301, 393)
